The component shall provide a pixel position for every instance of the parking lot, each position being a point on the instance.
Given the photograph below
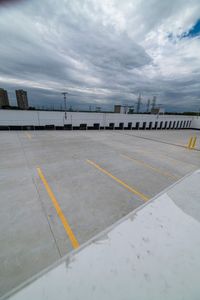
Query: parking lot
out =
(60, 188)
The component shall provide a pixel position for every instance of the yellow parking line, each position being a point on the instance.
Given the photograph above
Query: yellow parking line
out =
(130, 189)
(166, 174)
(64, 221)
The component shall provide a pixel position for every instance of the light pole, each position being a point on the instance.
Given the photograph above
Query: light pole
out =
(65, 103)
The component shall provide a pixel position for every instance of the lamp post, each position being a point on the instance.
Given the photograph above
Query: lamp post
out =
(65, 103)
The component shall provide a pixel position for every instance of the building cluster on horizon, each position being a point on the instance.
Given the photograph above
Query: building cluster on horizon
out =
(151, 107)
(22, 99)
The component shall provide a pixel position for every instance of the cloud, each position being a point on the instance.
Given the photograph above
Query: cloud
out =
(101, 51)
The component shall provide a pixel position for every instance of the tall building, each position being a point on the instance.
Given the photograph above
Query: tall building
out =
(117, 109)
(22, 99)
(139, 103)
(3, 98)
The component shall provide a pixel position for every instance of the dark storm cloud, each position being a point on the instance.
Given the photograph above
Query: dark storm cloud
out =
(88, 48)
(9, 2)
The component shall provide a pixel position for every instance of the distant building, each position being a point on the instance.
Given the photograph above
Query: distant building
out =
(123, 109)
(22, 99)
(4, 101)
(117, 109)
(158, 111)
(98, 108)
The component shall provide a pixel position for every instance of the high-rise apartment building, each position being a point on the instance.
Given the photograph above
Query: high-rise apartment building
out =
(22, 99)
(4, 101)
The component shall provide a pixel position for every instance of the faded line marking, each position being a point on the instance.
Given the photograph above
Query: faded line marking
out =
(28, 135)
(64, 221)
(168, 157)
(166, 174)
(129, 188)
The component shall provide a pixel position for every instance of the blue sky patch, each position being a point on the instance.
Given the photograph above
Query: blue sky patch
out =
(193, 32)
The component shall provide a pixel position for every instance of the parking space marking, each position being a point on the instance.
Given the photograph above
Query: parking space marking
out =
(63, 219)
(129, 188)
(166, 174)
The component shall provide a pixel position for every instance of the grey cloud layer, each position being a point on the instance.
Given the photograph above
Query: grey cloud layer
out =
(91, 49)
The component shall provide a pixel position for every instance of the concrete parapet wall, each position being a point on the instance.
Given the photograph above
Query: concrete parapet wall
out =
(110, 120)
(196, 123)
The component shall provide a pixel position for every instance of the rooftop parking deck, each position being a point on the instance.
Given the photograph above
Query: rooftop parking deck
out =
(60, 188)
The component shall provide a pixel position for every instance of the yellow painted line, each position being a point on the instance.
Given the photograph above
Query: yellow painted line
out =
(28, 135)
(194, 142)
(166, 174)
(64, 221)
(129, 188)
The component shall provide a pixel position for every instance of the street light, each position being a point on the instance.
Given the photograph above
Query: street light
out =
(65, 103)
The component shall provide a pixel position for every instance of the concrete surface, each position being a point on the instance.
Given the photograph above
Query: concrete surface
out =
(153, 253)
(31, 234)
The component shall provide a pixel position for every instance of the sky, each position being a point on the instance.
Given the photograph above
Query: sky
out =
(102, 52)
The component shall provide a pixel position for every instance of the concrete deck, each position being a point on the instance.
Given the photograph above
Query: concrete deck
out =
(124, 168)
(152, 253)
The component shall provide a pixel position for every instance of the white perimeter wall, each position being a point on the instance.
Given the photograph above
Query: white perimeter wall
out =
(195, 122)
(41, 118)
